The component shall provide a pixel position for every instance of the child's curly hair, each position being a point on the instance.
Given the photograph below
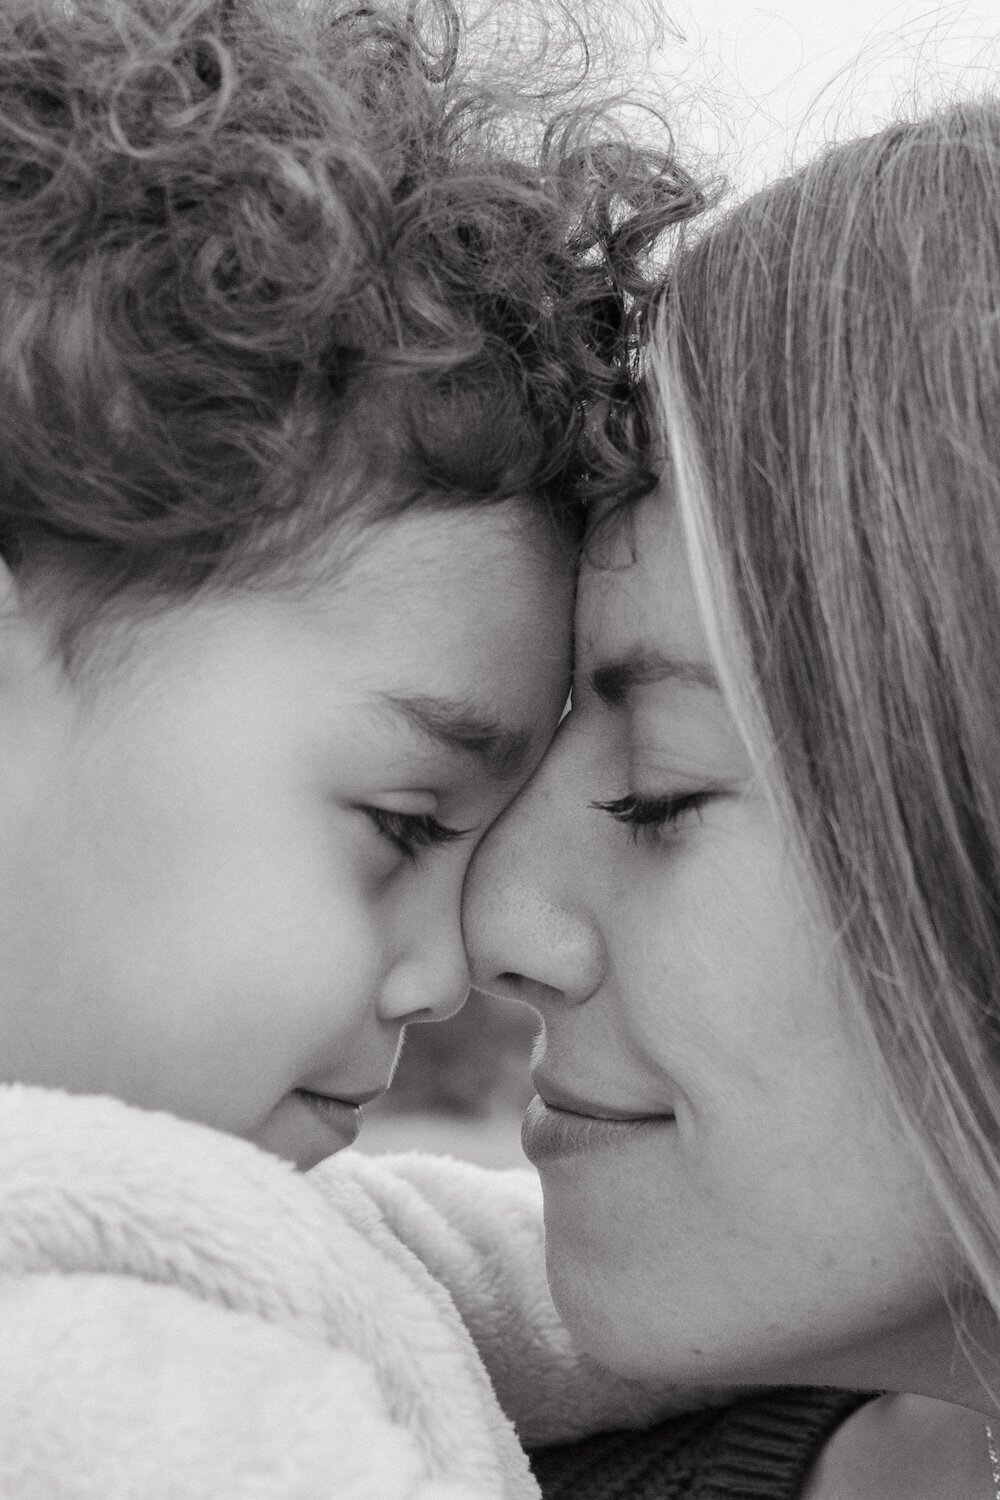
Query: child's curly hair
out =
(260, 260)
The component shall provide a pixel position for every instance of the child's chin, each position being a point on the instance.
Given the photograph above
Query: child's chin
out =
(302, 1135)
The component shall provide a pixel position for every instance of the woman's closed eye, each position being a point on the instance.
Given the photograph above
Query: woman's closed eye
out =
(654, 814)
(413, 832)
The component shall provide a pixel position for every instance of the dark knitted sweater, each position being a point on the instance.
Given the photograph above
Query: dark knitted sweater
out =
(761, 1448)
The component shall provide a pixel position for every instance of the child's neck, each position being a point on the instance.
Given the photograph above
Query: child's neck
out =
(906, 1448)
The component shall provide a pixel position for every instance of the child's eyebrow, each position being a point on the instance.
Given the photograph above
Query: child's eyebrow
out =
(459, 726)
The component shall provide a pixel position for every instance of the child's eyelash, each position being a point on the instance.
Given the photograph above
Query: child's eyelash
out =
(639, 813)
(411, 832)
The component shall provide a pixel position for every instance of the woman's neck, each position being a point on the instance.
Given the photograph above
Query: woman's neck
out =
(923, 1356)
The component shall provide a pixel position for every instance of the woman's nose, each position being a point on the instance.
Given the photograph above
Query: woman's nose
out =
(530, 926)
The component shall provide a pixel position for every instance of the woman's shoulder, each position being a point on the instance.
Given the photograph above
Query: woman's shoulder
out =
(904, 1447)
(761, 1445)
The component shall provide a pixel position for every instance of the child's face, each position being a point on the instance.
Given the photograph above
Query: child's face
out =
(204, 904)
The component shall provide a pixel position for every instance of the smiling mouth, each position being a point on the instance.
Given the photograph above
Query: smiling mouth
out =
(550, 1131)
(607, 1117)
(567, 1102)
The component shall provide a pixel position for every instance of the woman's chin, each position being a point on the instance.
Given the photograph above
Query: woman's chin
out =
(613, 1325)
(651, 1309)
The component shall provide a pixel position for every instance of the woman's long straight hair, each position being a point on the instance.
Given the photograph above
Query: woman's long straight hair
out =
(828, 365)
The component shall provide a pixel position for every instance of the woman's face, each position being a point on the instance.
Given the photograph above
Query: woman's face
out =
(724, 1196)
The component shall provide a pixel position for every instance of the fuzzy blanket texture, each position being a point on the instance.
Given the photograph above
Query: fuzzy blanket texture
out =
(184, 1316)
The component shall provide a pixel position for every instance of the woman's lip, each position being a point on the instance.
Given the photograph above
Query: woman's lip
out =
(569, 1101)
(549, 1131)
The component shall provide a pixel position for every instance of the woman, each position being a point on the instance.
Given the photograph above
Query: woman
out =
(753, 890)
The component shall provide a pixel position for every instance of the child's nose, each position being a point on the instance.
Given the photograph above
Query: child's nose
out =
(430, 983)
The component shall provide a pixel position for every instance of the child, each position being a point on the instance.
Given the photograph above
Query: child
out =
(300, 344)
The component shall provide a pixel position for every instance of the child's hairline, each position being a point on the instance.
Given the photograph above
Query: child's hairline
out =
(93, 627)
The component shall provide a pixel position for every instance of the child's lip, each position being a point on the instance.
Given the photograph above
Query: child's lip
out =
(341, 1117)
(356, 1099)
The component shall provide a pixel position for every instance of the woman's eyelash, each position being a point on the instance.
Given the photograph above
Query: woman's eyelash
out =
(411, 832)
(639, 813)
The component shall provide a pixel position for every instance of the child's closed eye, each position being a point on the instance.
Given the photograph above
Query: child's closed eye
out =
(412, 832)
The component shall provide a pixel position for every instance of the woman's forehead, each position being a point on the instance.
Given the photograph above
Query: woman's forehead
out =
(635, 596)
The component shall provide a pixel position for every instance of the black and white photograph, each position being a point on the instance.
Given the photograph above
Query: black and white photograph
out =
(499, 750)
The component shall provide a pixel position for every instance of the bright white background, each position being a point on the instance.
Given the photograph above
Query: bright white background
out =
(763, 85)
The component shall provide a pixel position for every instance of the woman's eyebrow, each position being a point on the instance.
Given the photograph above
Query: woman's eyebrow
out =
(612, 681)
(461, 726)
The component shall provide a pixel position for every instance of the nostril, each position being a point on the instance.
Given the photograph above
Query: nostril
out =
(513, 986)
(508, 985)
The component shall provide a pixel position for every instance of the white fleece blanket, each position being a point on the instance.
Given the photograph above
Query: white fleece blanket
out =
(183, 1316)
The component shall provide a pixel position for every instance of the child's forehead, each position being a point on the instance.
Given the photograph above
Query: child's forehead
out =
(447, 637)
(457, 589)
(453, 632)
